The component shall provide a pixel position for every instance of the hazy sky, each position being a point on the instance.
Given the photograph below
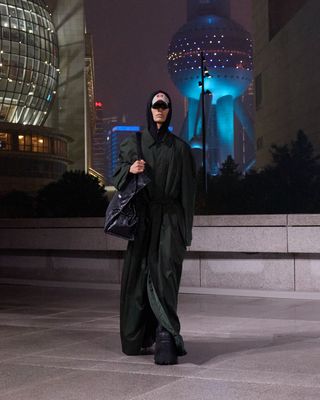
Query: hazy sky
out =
(131, 40)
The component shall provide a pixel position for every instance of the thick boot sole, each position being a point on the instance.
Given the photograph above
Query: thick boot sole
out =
(165, 359)
(165, 351)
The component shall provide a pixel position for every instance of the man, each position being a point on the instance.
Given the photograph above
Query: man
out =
(153, 263)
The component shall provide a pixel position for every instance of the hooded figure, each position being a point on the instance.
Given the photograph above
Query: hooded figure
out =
(153, 262)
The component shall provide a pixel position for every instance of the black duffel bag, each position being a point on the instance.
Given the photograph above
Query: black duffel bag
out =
(121, 216)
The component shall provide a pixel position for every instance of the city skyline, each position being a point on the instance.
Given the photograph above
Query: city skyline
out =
(130, 63)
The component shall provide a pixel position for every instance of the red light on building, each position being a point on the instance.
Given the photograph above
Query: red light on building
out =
(99, 104)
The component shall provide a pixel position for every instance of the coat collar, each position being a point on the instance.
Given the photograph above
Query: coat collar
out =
(149, 140)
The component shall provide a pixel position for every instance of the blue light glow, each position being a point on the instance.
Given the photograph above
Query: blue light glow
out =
(196, 145)
(122, 128)
(225, 126)
(131, 128)
(228, 58)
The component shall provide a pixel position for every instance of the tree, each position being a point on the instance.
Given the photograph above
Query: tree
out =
(291, 184)
(75, 194)
(230, 169)
(223, 189)
(294, 176)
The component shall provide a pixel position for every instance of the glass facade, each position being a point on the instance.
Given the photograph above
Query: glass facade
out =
(29, 66)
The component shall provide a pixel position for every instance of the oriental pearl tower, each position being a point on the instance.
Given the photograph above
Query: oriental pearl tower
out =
(227, 49)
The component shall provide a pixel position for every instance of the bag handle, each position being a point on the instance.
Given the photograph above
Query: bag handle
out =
(139, 146)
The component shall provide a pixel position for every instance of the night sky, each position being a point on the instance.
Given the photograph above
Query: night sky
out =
(131, 40)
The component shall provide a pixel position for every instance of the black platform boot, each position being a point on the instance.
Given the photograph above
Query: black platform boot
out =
(165, 351)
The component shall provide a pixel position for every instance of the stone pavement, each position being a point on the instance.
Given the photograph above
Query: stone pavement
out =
(58, 344)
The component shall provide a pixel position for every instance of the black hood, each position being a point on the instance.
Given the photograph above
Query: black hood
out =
(158, 135)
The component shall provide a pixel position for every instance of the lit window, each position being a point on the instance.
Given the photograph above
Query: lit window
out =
(5, 142)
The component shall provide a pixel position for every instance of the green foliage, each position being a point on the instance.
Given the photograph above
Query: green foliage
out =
(290, 185)
(75, 194)
(229, 169)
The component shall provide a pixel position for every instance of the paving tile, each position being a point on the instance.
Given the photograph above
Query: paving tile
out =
(293, 357)
(12, 331)
(44, 341)
(97, 385)
(134, 365)
(40, 360)
(13, 376)
(261, 377)
(106, 347)
(209, 389)
(64, 344)
(205, 350)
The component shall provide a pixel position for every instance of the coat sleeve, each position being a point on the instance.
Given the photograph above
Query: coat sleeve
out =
(188, 191)
(127, 156)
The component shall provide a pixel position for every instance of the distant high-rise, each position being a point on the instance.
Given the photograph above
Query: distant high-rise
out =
(99, 141)
(227, 50)
(115, 132)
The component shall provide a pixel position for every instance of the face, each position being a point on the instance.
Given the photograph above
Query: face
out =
(159, 115)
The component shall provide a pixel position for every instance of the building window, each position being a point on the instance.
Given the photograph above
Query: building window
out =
(281, 12)
(5, 142)
(258, 88)
(60, 148)
(21, 142)
(24, 142)
(34, 143)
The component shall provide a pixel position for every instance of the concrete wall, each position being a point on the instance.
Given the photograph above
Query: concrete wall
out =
(289, 65)
(270, 255)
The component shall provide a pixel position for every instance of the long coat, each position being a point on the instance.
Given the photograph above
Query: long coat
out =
(153, 262)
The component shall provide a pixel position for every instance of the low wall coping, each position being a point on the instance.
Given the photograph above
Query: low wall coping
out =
(282, 233)
(199, 220)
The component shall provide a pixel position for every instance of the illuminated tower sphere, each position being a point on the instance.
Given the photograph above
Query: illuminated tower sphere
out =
(28, 61)
(228, 52)
(227, 48)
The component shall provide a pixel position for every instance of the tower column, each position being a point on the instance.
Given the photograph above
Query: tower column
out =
(193, 129)
(225, 127)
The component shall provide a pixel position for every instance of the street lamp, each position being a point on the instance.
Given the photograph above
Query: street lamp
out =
(204, 74)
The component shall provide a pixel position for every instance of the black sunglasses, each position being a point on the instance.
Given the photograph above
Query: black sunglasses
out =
(160, 105)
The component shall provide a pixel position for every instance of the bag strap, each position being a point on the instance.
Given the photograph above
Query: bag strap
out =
(139, 146)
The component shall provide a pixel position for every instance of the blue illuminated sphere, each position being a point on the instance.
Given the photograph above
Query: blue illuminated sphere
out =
(227, 50)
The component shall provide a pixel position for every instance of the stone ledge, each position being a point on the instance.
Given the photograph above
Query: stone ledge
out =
(199, 220)
(277, 294)
(219, 233)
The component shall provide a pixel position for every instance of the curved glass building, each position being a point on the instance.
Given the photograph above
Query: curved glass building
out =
(31, 155)
(29, 64)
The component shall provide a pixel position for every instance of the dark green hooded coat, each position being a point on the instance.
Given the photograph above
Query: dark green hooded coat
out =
(153, 262)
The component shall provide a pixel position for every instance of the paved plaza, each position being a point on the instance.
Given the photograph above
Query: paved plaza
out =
(58, 344)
